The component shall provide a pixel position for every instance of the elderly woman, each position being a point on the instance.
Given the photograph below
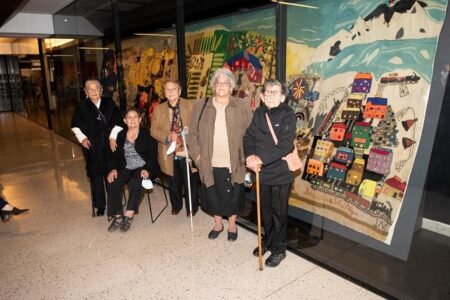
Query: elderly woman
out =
(94, 121)
(217, 127)
(133, 160)
(262, 149)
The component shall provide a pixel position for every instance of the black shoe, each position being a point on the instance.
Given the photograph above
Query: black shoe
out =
(126, 223)
(214, 234)
(15, 211)
(256, 251)
(115, 224)
(100, 212)
(188, 214)
(275, 259)
(175, 212)
(232, 236)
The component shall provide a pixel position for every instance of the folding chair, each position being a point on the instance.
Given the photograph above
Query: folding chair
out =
(159, 182)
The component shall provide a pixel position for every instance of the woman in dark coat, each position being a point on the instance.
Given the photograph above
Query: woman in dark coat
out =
(135, 158)
(261, 151)
(95, 124)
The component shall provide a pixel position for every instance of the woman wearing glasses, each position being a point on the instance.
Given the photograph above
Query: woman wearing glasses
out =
(217, 127)
(262, 149)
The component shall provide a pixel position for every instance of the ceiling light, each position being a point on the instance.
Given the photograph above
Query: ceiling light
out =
(52, 43)
(154, 34)
(295, 4)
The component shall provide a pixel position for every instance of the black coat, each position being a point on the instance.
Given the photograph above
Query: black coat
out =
(97, 129)
(145, 146)
(258, 141)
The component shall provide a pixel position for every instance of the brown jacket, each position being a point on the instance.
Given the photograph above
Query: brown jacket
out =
(201, 137)
(160, 130)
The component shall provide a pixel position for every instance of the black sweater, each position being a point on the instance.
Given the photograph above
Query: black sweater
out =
(146, 148)
(258, 141)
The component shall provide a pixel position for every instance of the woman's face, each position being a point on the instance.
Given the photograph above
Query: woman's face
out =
(222, 86)
(272, 96)
(132, 119)
(172, 92)
(93, 91)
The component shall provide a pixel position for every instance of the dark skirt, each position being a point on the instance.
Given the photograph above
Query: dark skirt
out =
(223, 198)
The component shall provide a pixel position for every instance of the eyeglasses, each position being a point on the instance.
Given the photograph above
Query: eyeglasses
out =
(221, 83)
(272, 93)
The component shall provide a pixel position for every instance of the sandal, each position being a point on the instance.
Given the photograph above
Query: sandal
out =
(126, 223)
(116, 221)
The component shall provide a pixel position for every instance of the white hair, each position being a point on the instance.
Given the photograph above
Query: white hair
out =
(93, 81)
(226, 73)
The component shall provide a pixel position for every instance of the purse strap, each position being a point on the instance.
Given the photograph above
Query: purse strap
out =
(201, 112)
(271, 129)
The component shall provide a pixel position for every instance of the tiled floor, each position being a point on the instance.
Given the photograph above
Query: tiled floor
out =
(58, 251)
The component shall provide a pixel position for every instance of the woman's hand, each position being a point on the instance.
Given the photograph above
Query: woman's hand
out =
(172, 137)
(85, 143)
(111, 176)
(253, 162)
(113, 145)
(145, 174)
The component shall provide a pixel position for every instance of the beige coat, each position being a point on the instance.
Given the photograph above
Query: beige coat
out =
(160, 130)
(201, 137)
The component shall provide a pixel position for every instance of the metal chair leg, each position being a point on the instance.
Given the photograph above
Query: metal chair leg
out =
(150, 206)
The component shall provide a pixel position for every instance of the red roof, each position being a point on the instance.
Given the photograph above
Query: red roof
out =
(338, 125)
(338, 166)
(362, 124)
(396, 183)
(380, 151)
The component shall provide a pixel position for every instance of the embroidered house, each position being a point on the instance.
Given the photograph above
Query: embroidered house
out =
(394, 187)
(354, 176)
(350, 114)
(380, 160)
(315, 167)
(336, 172)
(324, 150)
(385, 134)
(368, 188)
(355, 100)
(362, 83)
(337, 132)
(376, 108)
(344, 155)
(361, 135)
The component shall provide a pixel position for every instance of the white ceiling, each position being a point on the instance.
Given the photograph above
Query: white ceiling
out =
(44, 6)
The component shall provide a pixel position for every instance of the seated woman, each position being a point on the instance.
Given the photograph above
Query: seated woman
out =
(9, 210)
(133, 160)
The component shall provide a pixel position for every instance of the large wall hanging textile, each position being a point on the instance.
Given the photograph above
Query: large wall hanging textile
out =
(359, 76)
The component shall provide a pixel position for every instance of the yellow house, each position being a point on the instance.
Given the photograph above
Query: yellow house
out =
(367, 188)
(323, 150)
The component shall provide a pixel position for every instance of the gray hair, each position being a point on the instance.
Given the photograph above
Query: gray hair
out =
(226, 73)
(94, 81)
(274, 82)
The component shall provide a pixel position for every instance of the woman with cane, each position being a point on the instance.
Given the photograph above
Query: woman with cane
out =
(269, 138)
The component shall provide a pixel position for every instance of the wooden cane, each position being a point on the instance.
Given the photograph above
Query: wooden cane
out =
(258, 212)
